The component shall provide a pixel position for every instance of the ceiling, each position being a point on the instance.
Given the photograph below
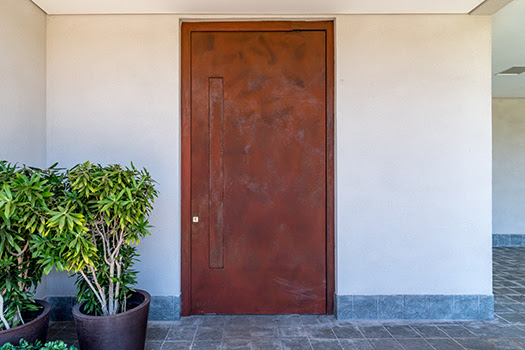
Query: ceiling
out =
(508, 49)
(256, 6)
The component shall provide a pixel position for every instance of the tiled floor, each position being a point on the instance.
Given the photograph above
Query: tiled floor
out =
(507, 331)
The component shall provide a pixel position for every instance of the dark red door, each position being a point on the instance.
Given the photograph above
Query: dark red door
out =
(258, 172)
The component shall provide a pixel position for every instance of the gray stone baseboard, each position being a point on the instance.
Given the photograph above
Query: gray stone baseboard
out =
(165, 308)
(504, 240)
(162, 308)
(414, 307)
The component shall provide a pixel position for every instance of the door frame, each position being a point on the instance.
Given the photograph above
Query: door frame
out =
(281, 26)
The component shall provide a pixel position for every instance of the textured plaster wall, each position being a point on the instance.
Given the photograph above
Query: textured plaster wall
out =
(22, 82)
(509, 165)
(413, 146)
(413, 155)
(113, 97)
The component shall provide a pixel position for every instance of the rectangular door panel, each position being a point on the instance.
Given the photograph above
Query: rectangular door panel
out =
(258, 172)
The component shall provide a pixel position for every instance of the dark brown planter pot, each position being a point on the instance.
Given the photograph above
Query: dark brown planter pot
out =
(34, 330)
(126, 330)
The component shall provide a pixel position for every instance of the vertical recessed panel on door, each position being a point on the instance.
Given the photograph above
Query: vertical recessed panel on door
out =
(259, 177)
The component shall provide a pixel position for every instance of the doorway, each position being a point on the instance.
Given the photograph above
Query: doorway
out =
(257, 168)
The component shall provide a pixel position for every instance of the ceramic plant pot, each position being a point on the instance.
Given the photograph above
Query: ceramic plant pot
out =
(126, 330)
(35, 329)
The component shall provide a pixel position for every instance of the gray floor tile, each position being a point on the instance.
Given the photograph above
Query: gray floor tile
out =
(504, 299)
(264, 320)
(445, 344)
(429, 331)
(402, 331)
(375, 332)
(500, 319)
(317, 319)
(205, 345)
(55, 328)
(176, 345)
(484, 330)
(415, 344)
(355, 344)
(347, 332)
(209, 333)
(67, 335)
(501, 308)
(296, 344)
(292, 332)
(181, 333)
(240, 332)
(516, 343)
(518, 298)
(191, 320)
(511, 331)
(516, 318)
(236, 344)
(238, 320)
(385, 344)
(456, 331)
(326, 345)
(157, 332)
(289, 320)
(246, 325)
(210, 321)
(153, 345)
(264, 332)
(520, 308)
(319, 332)
(476, 344)
(266, 345)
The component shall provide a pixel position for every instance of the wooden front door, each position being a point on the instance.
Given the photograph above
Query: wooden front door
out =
(260, 135)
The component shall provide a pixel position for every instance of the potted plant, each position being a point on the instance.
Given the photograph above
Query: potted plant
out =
(26, 205)
(115, 202)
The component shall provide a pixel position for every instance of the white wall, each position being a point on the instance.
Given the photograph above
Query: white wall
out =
(413, 155)
(113, 97)
(22, 82)
(413, 140)
(509, 165)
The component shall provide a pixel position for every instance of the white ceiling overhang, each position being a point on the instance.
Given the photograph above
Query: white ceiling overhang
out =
(267, 7)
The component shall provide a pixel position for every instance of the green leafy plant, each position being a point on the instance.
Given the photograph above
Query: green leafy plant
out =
(24, 345)
(27, 242)
(116, 202)
(86, 220)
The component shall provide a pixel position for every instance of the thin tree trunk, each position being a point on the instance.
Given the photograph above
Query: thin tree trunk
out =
(2, 317)
(19, 315)
(98, 295)
(117, 288)
(111, 298)
(21, 284)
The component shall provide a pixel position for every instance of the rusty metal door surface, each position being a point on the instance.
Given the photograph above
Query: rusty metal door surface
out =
(258, 172)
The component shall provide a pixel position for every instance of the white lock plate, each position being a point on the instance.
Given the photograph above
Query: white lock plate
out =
(195, 219)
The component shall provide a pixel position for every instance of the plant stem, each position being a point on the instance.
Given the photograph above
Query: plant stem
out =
(2, 317)
(117, 288)
(19, 315)
(111, 283)
(97, 295)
